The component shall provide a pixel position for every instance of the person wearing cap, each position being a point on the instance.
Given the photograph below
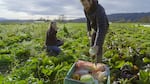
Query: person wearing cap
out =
(52, 43)
(97, 21)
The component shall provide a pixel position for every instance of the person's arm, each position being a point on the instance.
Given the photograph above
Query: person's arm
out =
(46, 40)
(88, 25)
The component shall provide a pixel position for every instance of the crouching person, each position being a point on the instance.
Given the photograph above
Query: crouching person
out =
(52, 43)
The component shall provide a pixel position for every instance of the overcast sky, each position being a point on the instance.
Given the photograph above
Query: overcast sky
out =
(27, 9)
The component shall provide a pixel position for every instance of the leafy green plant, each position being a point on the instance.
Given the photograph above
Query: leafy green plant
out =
(23, 59)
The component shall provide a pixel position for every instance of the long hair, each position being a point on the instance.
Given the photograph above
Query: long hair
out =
(93, 5)
(51, 23)
(51, 29)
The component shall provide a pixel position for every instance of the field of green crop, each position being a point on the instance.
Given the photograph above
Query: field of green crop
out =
(23, 59)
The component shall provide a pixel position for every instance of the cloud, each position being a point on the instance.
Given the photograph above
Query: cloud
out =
(126, 6)
(44, 7)
(71, 7)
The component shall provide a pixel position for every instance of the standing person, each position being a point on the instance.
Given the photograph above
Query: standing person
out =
(52, 43)
(96, 20)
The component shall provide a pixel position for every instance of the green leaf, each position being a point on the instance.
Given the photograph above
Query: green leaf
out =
(146, 60)
(119, 64)
(1, 79)
(145, 77)
(129, 63)
(108, 54)
(21, 82)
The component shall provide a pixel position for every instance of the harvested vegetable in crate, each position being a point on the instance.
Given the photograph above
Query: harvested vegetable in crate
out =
(90, 73)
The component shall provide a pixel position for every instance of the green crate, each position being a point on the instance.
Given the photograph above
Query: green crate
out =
(69, 80)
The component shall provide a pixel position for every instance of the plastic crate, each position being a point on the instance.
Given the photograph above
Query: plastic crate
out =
(69, 80)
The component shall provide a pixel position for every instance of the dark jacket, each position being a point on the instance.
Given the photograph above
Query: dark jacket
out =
(51, 39)
(97, 19)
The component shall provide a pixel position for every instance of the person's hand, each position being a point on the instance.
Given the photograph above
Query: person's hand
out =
(89, 35)
(93, 50)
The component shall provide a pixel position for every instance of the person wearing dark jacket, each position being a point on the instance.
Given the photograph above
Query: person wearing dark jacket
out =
(52, 43)
(96, 20)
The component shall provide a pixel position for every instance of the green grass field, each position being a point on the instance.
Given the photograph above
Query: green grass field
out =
(23, 59)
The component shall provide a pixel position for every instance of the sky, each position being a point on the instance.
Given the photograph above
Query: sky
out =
(34, 9)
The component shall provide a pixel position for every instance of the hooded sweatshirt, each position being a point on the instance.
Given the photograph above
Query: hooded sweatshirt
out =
(97, 20)
(51, 39)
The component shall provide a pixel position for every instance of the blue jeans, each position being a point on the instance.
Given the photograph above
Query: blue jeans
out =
(55, 50)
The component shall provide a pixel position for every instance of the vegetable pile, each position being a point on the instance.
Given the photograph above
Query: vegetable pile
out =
(88, 72)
